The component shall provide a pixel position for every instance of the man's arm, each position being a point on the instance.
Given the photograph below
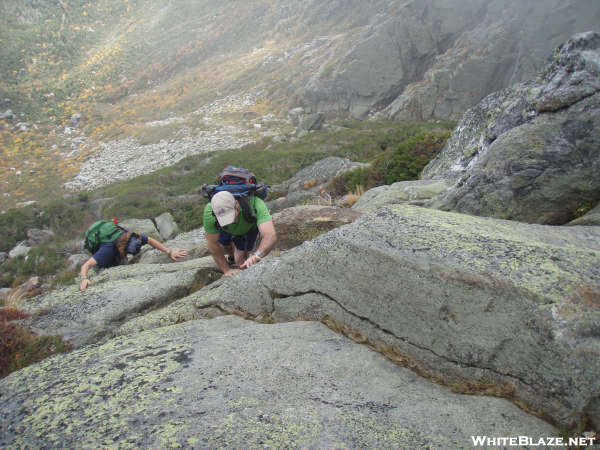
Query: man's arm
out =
(83, 273)
(173, 254)
(268, 239)
(218, 254)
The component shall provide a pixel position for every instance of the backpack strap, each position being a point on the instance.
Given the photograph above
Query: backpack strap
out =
(244, 203)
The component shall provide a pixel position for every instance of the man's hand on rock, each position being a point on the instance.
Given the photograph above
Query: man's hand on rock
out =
(252, 259)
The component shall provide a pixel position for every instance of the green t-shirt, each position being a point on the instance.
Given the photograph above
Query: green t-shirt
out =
(257, 208)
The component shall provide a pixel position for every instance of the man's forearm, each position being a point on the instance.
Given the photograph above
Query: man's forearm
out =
(267, 243)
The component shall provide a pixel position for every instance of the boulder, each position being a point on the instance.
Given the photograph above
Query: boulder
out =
(291, 200)
(323, 171)
(97, 206)
(303, 223)
(75, 119)
(76, 260)
(481, 304)
(194, 242)
(278, 190)
(309, 184)
(21, 249)
(115, 295)
(142, 226)
(529, 153)
(311, 122)
(413, 192)
(167, 227)
(232, 383)
(36, 237)
(295, 114)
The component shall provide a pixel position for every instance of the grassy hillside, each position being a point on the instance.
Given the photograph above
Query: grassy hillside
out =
(176, 189)
(120, 64)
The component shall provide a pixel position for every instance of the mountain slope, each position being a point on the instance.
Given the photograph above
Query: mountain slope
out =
(119, 64)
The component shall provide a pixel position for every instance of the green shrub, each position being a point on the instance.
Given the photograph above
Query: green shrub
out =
(14, 225)
(411, 156)
(40, 261)
(66, 218)
(404, 161)
(189, 216)
(66, 278)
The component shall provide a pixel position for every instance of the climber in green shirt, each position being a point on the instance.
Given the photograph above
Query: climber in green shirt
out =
(232, 225)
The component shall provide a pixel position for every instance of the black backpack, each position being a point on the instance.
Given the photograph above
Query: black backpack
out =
(242, 184)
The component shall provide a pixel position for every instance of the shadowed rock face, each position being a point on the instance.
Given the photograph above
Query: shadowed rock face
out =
(437, 58)
(530, 152)
(471, 300)
(232, 383)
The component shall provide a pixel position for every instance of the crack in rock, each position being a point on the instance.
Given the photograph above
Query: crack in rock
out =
(274, 295)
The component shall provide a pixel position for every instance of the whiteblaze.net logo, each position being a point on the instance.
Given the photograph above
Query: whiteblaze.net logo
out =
(514, 441)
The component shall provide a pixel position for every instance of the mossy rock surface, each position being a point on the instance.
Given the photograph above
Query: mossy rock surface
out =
(467, 298)
(115, 295)
(232, 383)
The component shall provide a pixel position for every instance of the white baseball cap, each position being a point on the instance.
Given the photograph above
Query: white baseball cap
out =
(223, 206)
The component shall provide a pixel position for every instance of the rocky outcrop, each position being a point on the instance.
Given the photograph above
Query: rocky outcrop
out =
(309, 184)
(21, 249)
(483, 304)
(37, 237)
(143, 226)
(529, 153)
(412, 192)
(193, 242)
(232, 383)
(166, 226)
(115, 295)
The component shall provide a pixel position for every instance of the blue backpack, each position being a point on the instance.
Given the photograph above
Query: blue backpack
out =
(242, 184)
(238, 181)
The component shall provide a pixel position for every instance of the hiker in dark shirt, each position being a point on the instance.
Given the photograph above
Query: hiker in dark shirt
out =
(111, 254)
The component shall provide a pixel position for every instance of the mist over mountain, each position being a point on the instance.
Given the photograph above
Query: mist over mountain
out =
(106, 69)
